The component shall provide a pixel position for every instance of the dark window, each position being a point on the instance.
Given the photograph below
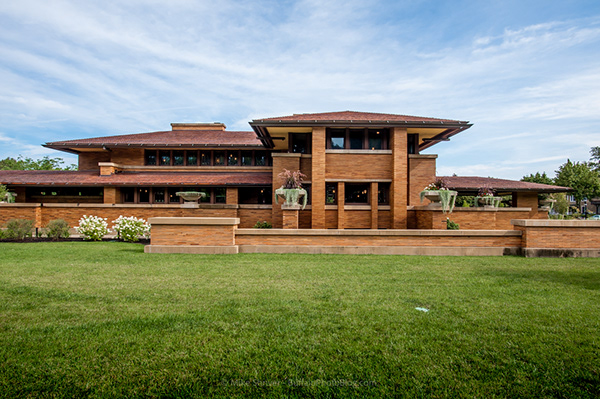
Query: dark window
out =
(232, 158)
(300, 143)
(159, 195)
(413, 143)
(337, 139)
(219, 158)
(220, 195)
(260, 158)
(191, 158)
(206, 158)
(164, 158)
(375, 139)
(383, 193)
(357, 139)
(144, 195)
(330, 193)
(207, 195)
(150, 157)
(178, 158)
(255, 195)
(128, 194)
(357, 193)
(246, 158)
(173, 198)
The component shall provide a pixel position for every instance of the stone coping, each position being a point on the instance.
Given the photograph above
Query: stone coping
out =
(357, 207)
(555, 223)
(470, 209)
(20, 204)
(422, 156)
(102, 205)
(367, 232)
(194, 221)
(365, 152)
(380, 250)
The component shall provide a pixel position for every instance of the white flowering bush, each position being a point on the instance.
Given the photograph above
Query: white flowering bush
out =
(130, 229)
(92, 227)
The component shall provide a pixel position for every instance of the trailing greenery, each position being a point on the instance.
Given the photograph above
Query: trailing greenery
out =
(103, 319)
(18, 229)
(57, 228)
(447, 199)
(450, 225)
(263, 225)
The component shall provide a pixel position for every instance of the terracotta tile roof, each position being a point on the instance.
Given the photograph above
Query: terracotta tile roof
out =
(473, 183)
(62, 178)
(355, 117)
(167, 138)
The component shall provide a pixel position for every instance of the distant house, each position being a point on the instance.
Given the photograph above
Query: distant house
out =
(364, 171)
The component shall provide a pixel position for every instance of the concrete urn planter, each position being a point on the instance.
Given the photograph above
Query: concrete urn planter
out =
(440, 199)
(488, 201)
(291, 197)
(191, 198)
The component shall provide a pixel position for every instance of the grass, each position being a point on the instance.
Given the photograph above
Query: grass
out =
(106, 320)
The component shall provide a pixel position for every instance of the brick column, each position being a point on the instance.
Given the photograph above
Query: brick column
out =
(399, 186)
(374, 205)
(526, 200)
(341, 202)
(290, 216)
(318, 178)
(110, 195)
(232, 196)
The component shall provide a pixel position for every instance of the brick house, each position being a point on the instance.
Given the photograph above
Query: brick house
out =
(364, 171)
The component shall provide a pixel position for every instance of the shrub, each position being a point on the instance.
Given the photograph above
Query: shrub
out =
(263, 225)
(57, 228)
(92, 227)
(130, 229)
(18, 229)
(450, 225)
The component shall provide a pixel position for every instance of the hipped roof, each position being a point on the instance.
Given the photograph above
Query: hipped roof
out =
(472, 184)
(92, 178)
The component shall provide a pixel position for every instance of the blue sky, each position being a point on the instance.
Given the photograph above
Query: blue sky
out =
(525, 73)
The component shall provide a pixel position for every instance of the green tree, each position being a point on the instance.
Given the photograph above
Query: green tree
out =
(595, 158)
(538, 178)
(46, 163)
(584, 181)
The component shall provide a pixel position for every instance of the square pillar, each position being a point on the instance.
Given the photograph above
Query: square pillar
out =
(374, 205)
(399, 186)
(110, 195)
(231, 196)
(290, 216)
(318, 178)
(341, 202)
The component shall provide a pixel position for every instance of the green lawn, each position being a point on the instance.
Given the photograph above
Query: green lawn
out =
(106, 320)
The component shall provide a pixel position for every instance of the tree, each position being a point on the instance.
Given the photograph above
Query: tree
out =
(595, 158)
(538, 178)
(584, 181)
(46, 163)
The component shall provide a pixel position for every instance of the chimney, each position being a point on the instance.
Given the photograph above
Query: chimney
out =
(198, 126)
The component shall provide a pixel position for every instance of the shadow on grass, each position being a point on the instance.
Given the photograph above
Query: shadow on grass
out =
(587, 280)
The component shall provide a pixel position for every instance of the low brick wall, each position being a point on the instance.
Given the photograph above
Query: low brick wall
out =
(424, 217)
(409, 242)
(564, 238)
(204, 235)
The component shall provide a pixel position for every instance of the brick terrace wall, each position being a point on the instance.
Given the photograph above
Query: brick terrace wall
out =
(193, 231)
(17, 211)
(249, 216)
(469, 218)
(357, 238)
(421, 172)
(559, 235)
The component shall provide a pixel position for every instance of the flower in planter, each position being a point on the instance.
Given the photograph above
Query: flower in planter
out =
(291, 179)
(437, 185)
(485, 191)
